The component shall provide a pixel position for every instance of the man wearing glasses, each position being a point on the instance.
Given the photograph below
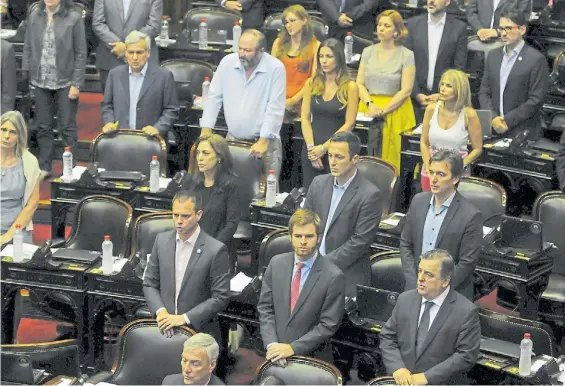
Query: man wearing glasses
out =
(515, 80)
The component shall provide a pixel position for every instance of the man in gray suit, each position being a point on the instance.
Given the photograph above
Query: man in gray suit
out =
(186, 280)
(302, 296)
(9, 76)
(350, 210)
(252, 13)
(434, 333)
(515, 80)
(113, 20)
(140, 95)
(444, 219)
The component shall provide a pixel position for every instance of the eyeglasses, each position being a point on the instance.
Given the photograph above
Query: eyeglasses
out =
(506, 29)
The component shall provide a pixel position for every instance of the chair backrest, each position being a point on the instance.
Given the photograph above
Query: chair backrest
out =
(274, 23)
(386, 380)
(145, 355)
(386, 271)
(487, 196)
(189, 70)
(129, 150)
(274, 243)
(512, 329)
(216, 18)
(360, 42)
(549, 208)
(382, 174)
(250, 174)
(97, 216)
(56, 358)
(146, 228)
(300, 371)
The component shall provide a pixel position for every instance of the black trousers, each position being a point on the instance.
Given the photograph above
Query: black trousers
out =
(49, 103)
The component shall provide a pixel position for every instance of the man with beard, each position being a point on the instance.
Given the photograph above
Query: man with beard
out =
(251, 86)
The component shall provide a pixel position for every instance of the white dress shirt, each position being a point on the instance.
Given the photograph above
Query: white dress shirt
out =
(494, 7)
(435, 32)
(435, 308)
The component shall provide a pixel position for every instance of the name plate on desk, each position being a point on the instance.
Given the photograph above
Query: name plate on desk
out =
(153, 202)
(520, 267)
(270, 217)
(70, 191)
(19, 273)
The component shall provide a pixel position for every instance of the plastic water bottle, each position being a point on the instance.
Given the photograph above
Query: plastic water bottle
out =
(154, 168)
(164, 28)
(525, 366)
(107, 256)
(236, 36)
(348, 42)
(67, 165)
(203, 34)
(271, 197)
(205, 89)
(18, 244)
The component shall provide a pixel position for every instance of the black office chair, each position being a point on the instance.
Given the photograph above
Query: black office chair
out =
(512, 329)
(557, 123)
(56, 358)
(385, 380)
(485, 195)
(145, 230)
(360, 42)
(383, 175)
(300, 371)
(216, 18)
(273, 25)
(188, 70)
(386, 271)
(275, 243)
(129, 150)
(145, 355)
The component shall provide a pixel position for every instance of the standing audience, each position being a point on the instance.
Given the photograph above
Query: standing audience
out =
(55, 56)
(252, 14)
(330, 105)
(385, 79)
(450, 123)
(9, 77)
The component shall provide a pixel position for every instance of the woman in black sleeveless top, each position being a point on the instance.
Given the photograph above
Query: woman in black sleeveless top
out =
(329, 105)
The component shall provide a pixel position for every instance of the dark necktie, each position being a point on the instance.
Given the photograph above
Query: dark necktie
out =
(295, 288)
(423, 327)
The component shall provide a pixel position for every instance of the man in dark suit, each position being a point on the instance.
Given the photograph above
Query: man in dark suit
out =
(9, 77)
(113, 20)
(483, 16)
(560, 163)
(186, 280)
(434, 333)
(444, 219)
(347, 15)
(439, 42)
(302, 296)
(198, 361)
(350, 210)
(140, 95)
(252, 13)
(515, 80)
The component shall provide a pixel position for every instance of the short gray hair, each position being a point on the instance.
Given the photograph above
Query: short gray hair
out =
(17, 119)
(136, 36)
(447, 264)
(205, 341)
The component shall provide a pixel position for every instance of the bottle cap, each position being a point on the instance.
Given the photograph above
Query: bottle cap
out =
(165, 17)
(527, 335)
(207, 78)
(271, 171)
(154, 158)
(237, 22)
(107, 238)
(203, 20)
(349, 33)
(18, 226)
(67, 148)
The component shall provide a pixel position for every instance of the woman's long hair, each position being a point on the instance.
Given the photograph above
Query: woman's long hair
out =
(342, 78)
(307, 32)
(224, 173)
(461, 89)
(16, 119)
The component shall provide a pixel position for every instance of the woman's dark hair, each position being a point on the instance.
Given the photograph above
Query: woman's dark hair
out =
(342, 79)
(64, 7)
(224, 170)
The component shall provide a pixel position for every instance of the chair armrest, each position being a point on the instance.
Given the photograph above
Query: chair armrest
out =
(58, 243)
(103, 376)
(244, 231)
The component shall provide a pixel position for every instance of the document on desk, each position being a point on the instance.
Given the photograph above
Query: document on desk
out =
(239, 282)
(29, 250)
(361, 117)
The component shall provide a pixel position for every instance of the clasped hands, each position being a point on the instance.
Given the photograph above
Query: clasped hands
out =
(375, 111)
(167, 321)
(315, 154)
(148, 130)
(499, 125)
(278, 352)
(118, 49)
(404, 376)
(487, 33)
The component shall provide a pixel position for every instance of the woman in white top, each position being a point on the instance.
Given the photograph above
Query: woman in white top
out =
(450, 123)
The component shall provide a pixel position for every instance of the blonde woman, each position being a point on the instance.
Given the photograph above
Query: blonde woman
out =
(385, 78)
(296, 47)
(329, 105)
(450, 123)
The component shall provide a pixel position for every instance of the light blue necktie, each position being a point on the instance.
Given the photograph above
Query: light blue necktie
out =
(342, 6)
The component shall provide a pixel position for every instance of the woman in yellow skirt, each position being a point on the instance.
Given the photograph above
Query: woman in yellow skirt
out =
(385, 78)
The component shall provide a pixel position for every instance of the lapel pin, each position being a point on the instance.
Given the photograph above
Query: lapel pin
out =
(199, 250)
(519, 58)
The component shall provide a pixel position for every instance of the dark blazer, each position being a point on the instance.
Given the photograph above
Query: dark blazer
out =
(178, 379)
(461, 234)
(452, 51)
(222, 212)
(560, 164)
(157, 104)
(479, 12)
(452, 345)
(109, 26)
(317, 314)
(205, 286)
(9, 77)
(252, 13)
(524, 92)
(362, 12)
(353, 227)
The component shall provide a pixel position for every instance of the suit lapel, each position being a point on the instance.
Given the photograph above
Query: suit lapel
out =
(439, 320)
(419, 226)
(147, 81)
(120, 5)
(500, 5)
(424, 33)
(286, 284)
(125, 86)
(311, 280)
(328, 202)
(414, 317)
(521, 60)
(446, 31)
(130, 10)
(173, 242)
(347, 196)
(448, 217)
(194, 257)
